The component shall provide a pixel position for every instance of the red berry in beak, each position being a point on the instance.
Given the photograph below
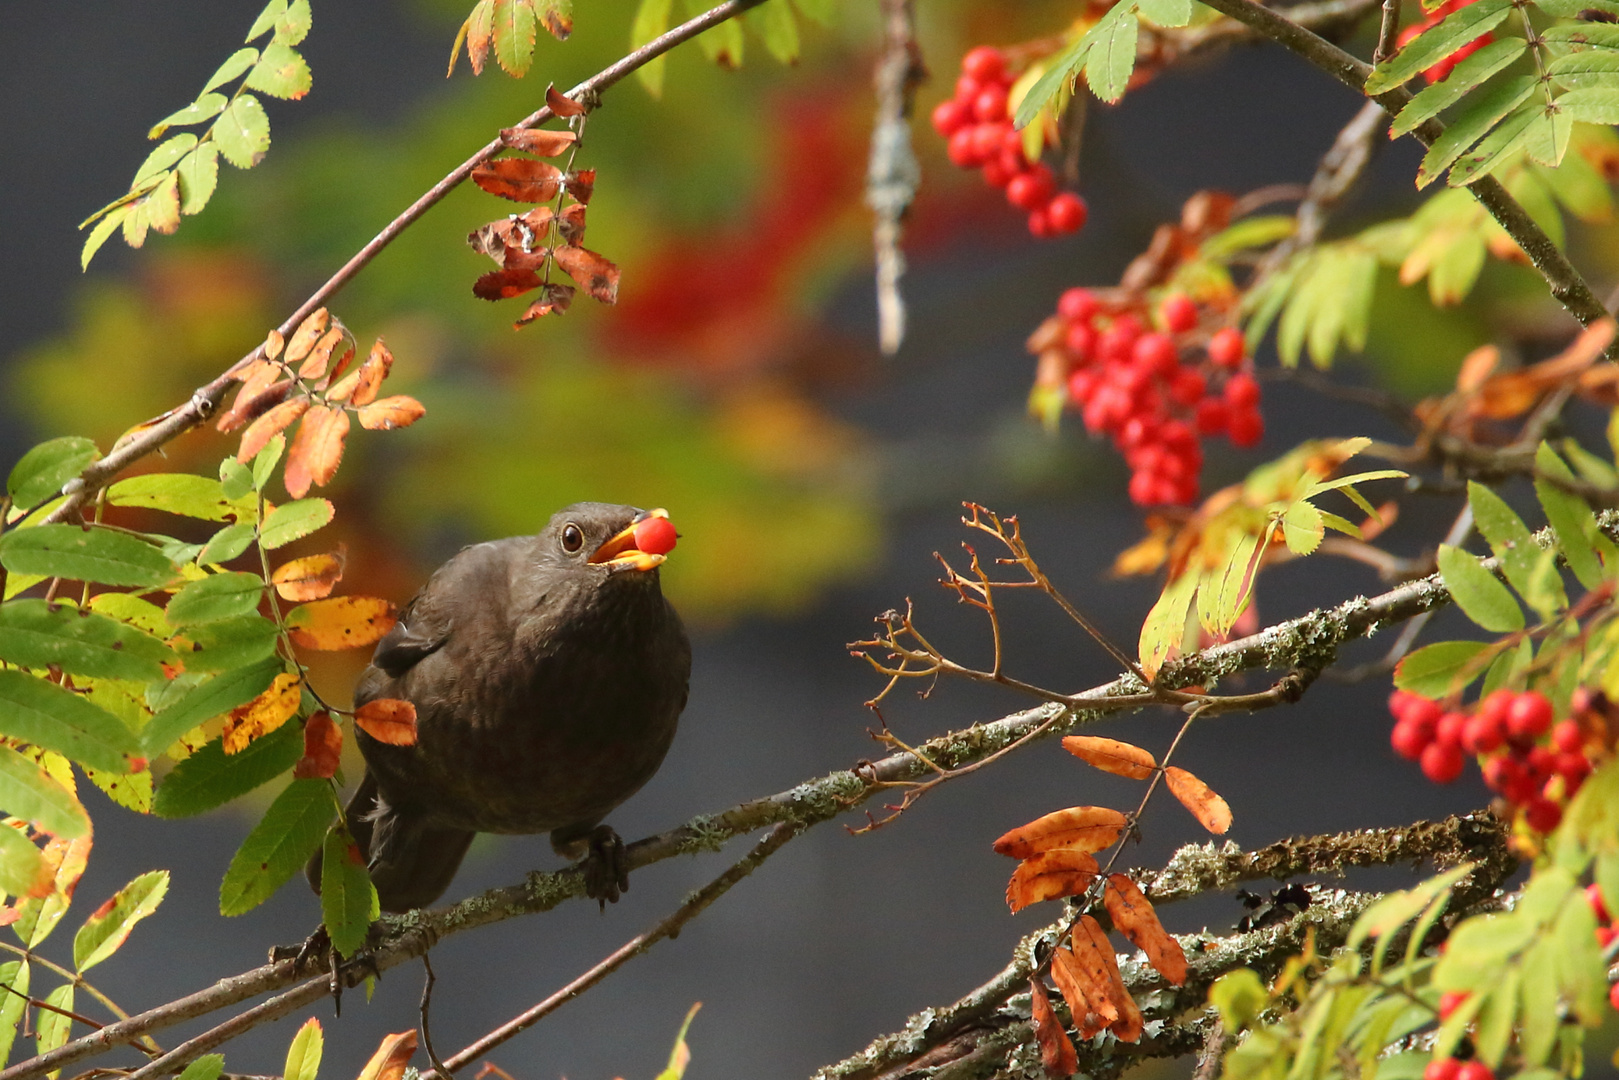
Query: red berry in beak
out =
(655, 536)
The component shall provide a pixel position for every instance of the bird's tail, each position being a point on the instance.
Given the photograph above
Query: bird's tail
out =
(411, 862)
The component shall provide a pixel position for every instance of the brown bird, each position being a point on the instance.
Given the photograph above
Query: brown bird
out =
(548, 673)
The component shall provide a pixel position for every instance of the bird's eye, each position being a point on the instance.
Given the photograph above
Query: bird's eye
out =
(572, 538)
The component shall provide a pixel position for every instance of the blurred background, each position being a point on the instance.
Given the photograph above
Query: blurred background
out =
(737, 383)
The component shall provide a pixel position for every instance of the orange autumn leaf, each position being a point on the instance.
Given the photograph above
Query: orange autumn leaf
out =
(1073, 982)
(1210, 810)
(268, 427)
(1049, 876)
(561, 106)
(1079, 828)
(1056, 1052)
(1476, 367)
(389, 1062)
(255, 380)
(594, 273)
(556, 298)
(389, 413)
(316, 450)
(540, 141)
(581, 185)
(367, 380)
(1133, 916)
(273, 344)
(309, 578)
(303, 339)
(519, 179)
(343, 622)
(1094, 952)
(506, 283)
(1110, 755)
(263, 714)
(323, 747)
(314, 365)
(388, 720)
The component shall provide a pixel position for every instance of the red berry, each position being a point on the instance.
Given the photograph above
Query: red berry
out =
(1566, 737)
(987, 140)
(1067, 212)
(1188, 387)
(1241, 391)
(1593, 896)
(1474, 1070)
(1012, 143)
(996, 174)
(1179, 313)
(1573, 768)
(1226, 347)
(990, 104)
(1155, 352)
(1212, 415)
(968, 89)
(1442, 762)
(1496, 706)
(1039, 224)
(961, 150)
(1032, 190)
(1449, 1001)
(1450, 727)
(1409, 741)
(1422, 711)
(1542, 814)
(1080, 385)
(1077, 305)
(655, 536)
(1081, 341)
(1501, 772)
(1529, 716)
(1613, 996)
(1143, 489)
(1441, 1069)
(1482, 734)
(984, 63)
(949, 117)
(1245, 427)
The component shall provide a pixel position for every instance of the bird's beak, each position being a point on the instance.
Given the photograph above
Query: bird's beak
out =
(620, 552)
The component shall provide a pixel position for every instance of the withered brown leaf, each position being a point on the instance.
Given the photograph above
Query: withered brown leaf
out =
(541, 141)
(389, 1062)
(303, 339)
(1095, 952)
(323, 748)
(518, 179)
(388, 720)
(263, 714)
(1133, 916)
(562, 106)
(505, 284)
(310, 578)
(1057, 1054)
(315, 364)
(555, 300)
(597, 275)
(1078, 828)
(1071, 980)
(386, 414)
(581, 184)
(368, 380)
(340, 622)
(249, 403)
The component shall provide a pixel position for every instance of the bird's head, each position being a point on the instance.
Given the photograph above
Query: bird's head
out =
(615, 539)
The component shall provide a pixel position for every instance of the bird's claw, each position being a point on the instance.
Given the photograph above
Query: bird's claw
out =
(317, 953)
(606, 869)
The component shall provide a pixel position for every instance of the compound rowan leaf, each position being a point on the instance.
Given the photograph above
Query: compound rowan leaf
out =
(597, 275)
(1094, 953)
(388, 720)
(105, 931)
(316, 451)
(519, 179)
(224, 595)
(389, 413)
(1056, 1052)
(263, 714)
(281, 72)
(34, 919)
(514, 23)
(1078, 828)
(1048, 876)
(41, 472)
(291, 830)
(242, 132)
(80, 554)
(44, 714)
(323, 747)
(39, 633)
(29, 793)
(504, 284)
(268, 426)
(560, 105)
(389, 1062)
(1111, 755)
(348, 899)
(478, 31)
(258, 378)
(310, 578)
(342, 622)
(1133, 916)
(210, 778)
(1210, 810)
(540, 141)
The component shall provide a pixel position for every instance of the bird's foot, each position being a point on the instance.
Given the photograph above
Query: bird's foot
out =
(606, 869)
(305, 955)
(317, 953)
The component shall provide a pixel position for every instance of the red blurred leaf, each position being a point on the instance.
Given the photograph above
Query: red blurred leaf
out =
(263, 714)
(505, 284)
(1048, 876)
(1210, 810)
(314, 366)
(594, 273)
(1079, 828)
(562, 106)
(309, 578)
(398, 411)
(388, 720)
(1095, 954)
(555, 299)
(1133, 916)
(1056, 1052)
(389, 1062)
(303, 339)
(516, 258)
(343, 622)
(267, 426)
(518, 179)
(316, 451)
(581, 185)
(1476, 367)
(1110, 755)
(323, 748)
(541, 141)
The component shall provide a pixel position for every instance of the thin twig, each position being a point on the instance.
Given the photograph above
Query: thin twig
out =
(1388, 32)
(427, 1031)
(892, 172)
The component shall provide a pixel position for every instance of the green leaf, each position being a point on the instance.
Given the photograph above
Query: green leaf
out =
(1504, 669)
(239, 62)
(778, 27)
(132, 791)
(242, 132)
(230, 643)
(265, 461)
(303, 1056)
(217, 596)
(129, 608)
(1437, 670)
(205, 107)
(293, 26)
(22, 867)
(162, 159)
(348, 900)
(1571, 519)
(1168, 13)
(207, 1067)
(1477, 592)
(227, 544)
(52, 1028)
(1249, 233)
(185, 494)
(651, 19)
(1571, 9)
(278, 845)
(1483, 112)
(206, 700)
(44, 469)
(1302, 528)
(236, 480)
(680, 1053)
(108, 225)
(14, 975)
(1112, 55)
(1581, 37)
(1060, 75)
(1240, 997)
(266, 20)
(1165, 625)
(29, 793)
(1594, 105)
(95, 554)
(281, 72)
(199, 175)
(1498, 147)
(1437, 42)
(44, 714)
(1519, 554)
(1582, 190)
(210, 778)
(1467, 75)
(1589, 69)
(104, 932)
(294, 521)
(514, 23)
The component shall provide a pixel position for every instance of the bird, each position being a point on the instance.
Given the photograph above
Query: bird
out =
(548, 673)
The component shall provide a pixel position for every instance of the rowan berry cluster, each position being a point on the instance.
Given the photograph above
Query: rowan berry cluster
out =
(1534, 764)
(1439, 71)
(1155, 382)
(1451, 1069)
(978, 124)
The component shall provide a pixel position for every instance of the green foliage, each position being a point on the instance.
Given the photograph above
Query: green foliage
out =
(207, 699)
(303, 1056)
(38, 633)
(99, 555)
(278, 846)
(28, 792)
(106, 931)
(46, 715)
(15, 975)
(348, 900)
(40, 473)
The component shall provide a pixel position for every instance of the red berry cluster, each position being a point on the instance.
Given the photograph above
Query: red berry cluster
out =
(979, 126)
(1451, 1069)
(1532, 763)
(1155, 390)
(1443, 68)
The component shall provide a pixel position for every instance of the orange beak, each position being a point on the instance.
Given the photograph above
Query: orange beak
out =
(620, 552)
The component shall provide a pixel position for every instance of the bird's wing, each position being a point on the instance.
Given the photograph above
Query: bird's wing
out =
(475, 576)
(414, 637)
